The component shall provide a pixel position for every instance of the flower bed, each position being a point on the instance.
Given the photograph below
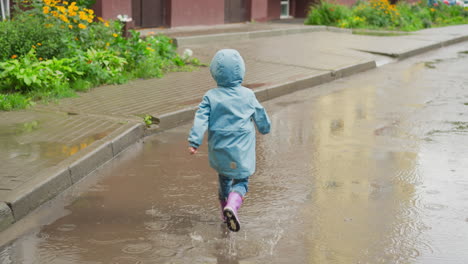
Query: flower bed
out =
(52, 48)
(380, 14)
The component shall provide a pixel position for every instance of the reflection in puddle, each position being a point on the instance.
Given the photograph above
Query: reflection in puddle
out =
(47, 150)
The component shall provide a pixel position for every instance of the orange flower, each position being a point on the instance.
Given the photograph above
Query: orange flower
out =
(14, 56)
(82, 26)
(64, 18)
(39, 44)
(62, 9)
(83, 15)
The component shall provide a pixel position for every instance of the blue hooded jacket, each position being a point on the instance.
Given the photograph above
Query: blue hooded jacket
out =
(228, 112)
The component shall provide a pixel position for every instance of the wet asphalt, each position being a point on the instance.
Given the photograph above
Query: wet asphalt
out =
(367, 169)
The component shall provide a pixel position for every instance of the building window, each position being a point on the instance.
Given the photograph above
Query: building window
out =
(4, 9)
(284, 8)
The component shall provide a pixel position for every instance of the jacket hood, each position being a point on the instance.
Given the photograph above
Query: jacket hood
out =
(227, 68)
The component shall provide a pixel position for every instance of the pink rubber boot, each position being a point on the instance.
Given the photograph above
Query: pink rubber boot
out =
(223, 204)
(234, 202)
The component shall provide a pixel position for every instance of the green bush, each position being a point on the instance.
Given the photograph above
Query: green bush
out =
(19, 35)
(86, 3)
(14, 101)
(52, 48)
(380, 14)
(101, 66)
(28, 73)
(326, 13)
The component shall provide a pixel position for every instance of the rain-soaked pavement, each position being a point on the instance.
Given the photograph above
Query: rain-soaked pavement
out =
(367, 169)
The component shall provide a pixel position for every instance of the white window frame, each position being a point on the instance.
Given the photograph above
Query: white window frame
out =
(5, 9)
(288, 5)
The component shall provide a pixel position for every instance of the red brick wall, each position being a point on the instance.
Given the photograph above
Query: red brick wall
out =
(109, 9)
(302, 7)
(274, 9)
(259, 10)
(197, 12)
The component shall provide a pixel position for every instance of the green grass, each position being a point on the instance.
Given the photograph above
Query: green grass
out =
(382, 15)
(430, 64)
(15, 101)
(458, 125)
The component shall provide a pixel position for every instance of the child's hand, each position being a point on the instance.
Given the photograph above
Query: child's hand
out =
(192, 150)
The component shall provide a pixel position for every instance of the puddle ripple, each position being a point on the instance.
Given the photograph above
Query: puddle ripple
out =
(155, 226)
(137, 248)
(165, 252)
(66, 227)
(126, 260)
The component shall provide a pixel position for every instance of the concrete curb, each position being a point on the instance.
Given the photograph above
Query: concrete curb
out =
(414, 52)
(45, 186)
(174, 119)
(6, 216)
(52, 181)
(236, 36)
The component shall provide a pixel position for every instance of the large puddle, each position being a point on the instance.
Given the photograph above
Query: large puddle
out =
(368, 169)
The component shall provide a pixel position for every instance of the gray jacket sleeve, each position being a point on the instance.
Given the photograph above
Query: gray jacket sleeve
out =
(200, 123)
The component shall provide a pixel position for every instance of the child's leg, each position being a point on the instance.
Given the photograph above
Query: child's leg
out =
(224, 189)
(240, 186)
(225, 186)
(234, 202)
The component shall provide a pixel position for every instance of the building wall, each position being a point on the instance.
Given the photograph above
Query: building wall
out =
(109, 9)
(259, 10)
(274, 9)
(302, 7)
(199, 12)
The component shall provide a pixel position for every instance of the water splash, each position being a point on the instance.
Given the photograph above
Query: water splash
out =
(232, 244)
(276, 237)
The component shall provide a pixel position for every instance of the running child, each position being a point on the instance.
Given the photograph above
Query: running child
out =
(229, 112)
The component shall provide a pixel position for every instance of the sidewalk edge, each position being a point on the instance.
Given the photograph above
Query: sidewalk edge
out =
(6, 216)
(52, 181)
(191, 40)
(174, 119)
